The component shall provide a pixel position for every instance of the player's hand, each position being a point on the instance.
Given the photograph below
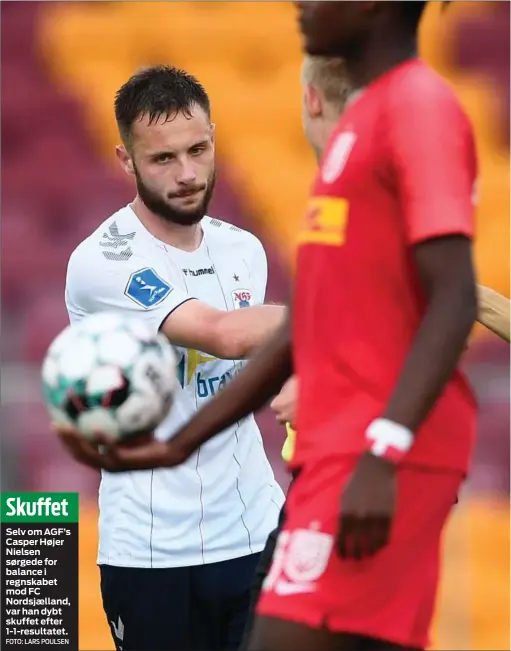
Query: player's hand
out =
(284, 405)
(368, 503)
(105, 453)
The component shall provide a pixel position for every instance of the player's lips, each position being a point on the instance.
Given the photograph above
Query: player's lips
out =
(192, 194)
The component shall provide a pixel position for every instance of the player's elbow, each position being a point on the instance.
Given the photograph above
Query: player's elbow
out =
(466, 287)
(238, 334)
(232, 337)
(447, 274)
(470, 301)
(461, 296)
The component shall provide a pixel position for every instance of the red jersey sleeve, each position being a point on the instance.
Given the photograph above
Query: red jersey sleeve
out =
(433, 156)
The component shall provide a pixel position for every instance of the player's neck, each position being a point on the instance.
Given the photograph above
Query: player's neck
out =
(328, 126)
(187, 238)
(379, 57)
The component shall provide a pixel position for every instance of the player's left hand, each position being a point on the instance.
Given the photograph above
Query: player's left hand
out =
(105, 453)
(284, 404)
(367, 508)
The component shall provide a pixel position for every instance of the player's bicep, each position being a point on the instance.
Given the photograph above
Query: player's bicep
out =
(445, 264)
(195, 325)
(434, 163)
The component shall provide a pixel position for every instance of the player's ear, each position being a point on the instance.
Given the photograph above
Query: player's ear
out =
(124, 159)
(212, 128)
(313, 101)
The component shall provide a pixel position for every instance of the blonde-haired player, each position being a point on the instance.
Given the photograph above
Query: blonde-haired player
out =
(325, 93)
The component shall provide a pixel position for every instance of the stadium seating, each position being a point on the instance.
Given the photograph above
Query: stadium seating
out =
(253, 80)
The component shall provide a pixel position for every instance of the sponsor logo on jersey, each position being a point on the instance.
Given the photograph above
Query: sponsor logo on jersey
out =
(190, 373)
(189, 364)
(325, 221)
(241, 298)
(199, 272)
(147, 288)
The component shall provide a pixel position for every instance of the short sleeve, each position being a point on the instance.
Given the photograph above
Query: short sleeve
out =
(433, 157)
(140, 290)
(260, 270)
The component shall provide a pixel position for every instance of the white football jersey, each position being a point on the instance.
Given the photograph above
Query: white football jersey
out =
(224, 501)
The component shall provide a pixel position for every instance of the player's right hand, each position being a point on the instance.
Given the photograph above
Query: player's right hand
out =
(105, 453)
(368, 503)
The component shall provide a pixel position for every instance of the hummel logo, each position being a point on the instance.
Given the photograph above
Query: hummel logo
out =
(115, 239)
(199, 272)
(118, 630)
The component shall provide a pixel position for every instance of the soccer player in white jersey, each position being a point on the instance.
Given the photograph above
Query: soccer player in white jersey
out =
(178, 547)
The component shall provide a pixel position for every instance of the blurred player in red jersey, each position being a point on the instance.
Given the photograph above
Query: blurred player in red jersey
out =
(385, 299)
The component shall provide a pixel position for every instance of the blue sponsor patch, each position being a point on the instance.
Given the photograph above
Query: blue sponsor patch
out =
(146, 288)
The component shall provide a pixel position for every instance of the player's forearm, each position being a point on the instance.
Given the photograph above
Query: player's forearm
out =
(433, 358)
(241, 332)
(447, 274)
(493, 311)
(248, 392)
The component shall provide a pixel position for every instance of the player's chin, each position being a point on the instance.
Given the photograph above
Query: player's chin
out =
(189, 210)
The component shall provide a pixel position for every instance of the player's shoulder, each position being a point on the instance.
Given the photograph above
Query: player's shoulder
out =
(416, 83)
(116, 240)
(224, 234)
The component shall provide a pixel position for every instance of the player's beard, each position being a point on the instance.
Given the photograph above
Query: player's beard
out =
(159, 205)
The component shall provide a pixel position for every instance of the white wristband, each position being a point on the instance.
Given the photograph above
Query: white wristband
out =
(388, 439)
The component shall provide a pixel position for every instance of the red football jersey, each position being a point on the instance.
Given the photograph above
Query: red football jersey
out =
(400, 168)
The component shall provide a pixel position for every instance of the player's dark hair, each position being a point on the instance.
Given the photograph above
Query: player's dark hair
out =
(412, 11)
(158, 91)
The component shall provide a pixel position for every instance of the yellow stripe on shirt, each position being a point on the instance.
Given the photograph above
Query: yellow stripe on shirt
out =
(289, 444)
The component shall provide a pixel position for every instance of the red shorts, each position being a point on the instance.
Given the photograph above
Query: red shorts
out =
(390, 596)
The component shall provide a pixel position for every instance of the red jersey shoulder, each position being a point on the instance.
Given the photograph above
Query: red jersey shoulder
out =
(415, 88)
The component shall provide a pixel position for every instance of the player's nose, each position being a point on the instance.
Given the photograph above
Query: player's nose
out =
(187, 173)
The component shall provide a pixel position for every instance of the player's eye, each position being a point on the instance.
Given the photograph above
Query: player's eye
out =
(196, 151)
(163, 158)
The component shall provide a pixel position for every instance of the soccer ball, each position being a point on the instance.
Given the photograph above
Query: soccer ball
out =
(111, 374)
